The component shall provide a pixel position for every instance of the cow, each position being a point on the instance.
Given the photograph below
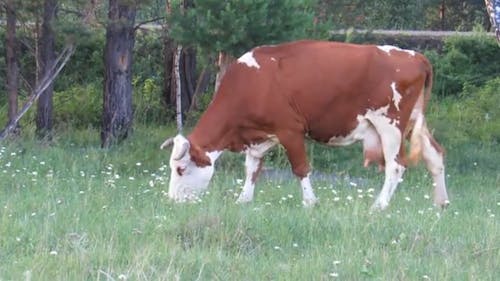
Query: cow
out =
(333, 93)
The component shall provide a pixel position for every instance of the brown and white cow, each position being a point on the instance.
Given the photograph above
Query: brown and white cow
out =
(333, 93)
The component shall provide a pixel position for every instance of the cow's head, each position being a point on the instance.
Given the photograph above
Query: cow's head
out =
(187, 178)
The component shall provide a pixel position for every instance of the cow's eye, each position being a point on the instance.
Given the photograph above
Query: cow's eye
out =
(180, 171)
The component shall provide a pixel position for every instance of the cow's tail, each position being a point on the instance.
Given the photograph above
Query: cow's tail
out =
(419, 121)
(428, 81)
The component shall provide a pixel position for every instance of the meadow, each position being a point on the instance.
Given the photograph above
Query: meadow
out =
(73, 211)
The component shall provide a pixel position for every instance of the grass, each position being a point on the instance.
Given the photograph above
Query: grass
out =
(72, 211)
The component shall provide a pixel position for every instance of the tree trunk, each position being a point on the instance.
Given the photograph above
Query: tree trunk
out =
(168, 64)
(442, 14)
(187, 69)
(46, 57)
(177, 86)
(201, 86)
(187, 75)
(11, 61)
(224, 61)
(89, 12)
(120, 39)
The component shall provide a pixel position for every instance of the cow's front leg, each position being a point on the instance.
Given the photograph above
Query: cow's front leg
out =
(252, 168)
(308, 197)
(296, 153)
(253, 164)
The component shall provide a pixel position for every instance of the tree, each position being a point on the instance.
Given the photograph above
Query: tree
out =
(191, 84)
(120, 38)
(11, 61)
(232, 27)
(46, 57)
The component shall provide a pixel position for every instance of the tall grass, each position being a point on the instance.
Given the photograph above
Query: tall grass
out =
(71, 211)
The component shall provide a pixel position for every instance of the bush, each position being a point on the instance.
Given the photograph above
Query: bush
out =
(471, 60)
(79, 106)
(471, 117)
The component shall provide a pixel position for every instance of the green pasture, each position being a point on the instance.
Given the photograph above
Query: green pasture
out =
(72, 211)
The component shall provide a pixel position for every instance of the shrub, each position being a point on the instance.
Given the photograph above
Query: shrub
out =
(79, 106)
(466, 60)
(471, 117)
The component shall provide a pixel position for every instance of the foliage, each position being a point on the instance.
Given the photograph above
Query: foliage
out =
(148, 106)
(465, 60)
(459, 15)
(86, 65)
(236, 26)
(411, 15)
(473, 117)
(78, 106)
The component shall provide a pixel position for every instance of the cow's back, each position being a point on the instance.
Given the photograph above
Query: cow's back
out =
(318, 87)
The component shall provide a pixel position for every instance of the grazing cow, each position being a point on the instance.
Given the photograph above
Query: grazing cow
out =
(333, 93)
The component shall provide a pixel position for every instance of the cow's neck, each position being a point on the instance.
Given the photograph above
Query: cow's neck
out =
(211, 136)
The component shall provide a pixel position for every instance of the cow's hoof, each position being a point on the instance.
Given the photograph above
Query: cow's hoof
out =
(244, 199)
(379, 206)
(309, 202)
(442, 203)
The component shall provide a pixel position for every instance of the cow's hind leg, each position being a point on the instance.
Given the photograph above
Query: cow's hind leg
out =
(296, 153)
(391, 139)
(253, 164)
(432, 153)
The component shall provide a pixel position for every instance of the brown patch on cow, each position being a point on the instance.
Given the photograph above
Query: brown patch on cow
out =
(199, 157)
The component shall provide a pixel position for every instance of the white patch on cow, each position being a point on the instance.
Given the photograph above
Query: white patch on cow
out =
(398, 70)
(372, 125)
(254, 154)
(308, 197)
(396, 96)
(249, 60)
(361, 132)
(273, 59)
(391, 138)
(187, 180)
(389, 48)
(355, 135)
